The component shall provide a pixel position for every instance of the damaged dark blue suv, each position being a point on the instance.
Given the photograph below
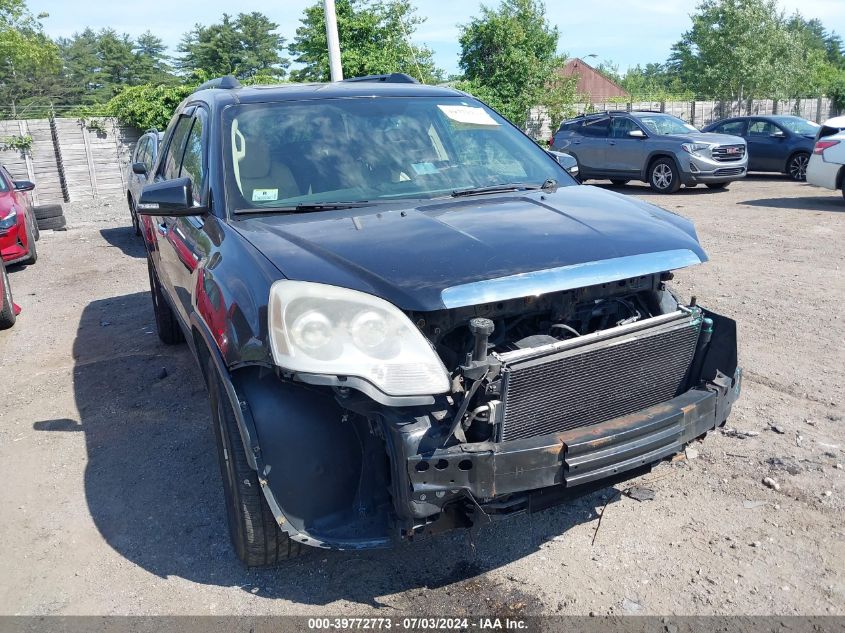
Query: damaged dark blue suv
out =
(410, 317)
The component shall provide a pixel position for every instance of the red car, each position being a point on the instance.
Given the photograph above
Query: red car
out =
(18, 228)
(8, 309)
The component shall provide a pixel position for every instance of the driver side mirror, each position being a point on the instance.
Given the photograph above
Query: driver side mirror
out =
(24, 185)
(779, 134)
(139, 168)
(636, 134)
(168, 197)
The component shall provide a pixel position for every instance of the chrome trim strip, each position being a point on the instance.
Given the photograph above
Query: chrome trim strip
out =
(540, 282)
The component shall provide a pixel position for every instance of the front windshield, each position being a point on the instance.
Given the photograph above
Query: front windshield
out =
(293, 153)
(665, 124)
(797, 125)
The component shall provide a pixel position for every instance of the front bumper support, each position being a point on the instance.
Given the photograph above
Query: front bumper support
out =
(571, 458)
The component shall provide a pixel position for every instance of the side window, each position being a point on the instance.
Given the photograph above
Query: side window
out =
(175, 149)
(737, 128)
(193, 164)
(573, 127)
(621, 125)
(140, 150)
(762, 128)
(596, 127)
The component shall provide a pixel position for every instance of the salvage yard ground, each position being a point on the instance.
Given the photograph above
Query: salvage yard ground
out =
(111, 500)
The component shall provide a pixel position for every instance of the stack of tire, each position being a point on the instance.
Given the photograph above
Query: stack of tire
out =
(50, 216)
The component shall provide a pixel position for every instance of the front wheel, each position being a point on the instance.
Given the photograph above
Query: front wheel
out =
(166, 324)
(717, 185)
(30, 240)
(7, 306)
(663, 176)
(134, 213)
(797, 166)
(256, 537)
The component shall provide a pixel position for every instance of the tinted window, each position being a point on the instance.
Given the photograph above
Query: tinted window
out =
(798, 125)
(737, 128)
(762, 128)
(621, 125)
(193, 163)
(173, 159)
(572, 126)
(140, 150)
(596, 127)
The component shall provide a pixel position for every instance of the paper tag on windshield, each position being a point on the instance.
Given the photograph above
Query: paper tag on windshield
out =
(468, 115)
(263, 195)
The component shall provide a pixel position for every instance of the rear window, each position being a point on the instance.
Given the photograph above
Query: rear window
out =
(826, 130)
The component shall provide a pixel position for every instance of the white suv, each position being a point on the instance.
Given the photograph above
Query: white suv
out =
(827, 163)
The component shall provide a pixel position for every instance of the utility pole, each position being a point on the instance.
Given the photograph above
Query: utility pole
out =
(332, 40)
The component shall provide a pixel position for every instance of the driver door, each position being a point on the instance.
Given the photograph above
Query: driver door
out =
(625, 154)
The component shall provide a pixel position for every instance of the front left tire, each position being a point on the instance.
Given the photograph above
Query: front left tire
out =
(256, 537)
(7, 306)
(664, 176)
(166, 324)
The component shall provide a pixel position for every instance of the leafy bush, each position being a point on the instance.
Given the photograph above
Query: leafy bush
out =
(21, 143)
(148, 105)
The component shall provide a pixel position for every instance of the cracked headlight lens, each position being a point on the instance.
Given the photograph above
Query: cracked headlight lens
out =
(321, 329)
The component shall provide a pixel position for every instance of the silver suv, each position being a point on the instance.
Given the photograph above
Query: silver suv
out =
(654, 147)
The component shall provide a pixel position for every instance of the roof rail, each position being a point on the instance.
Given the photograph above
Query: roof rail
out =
(391, 78)
(227, 82)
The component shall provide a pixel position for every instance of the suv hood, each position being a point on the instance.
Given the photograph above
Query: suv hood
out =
(709, 137)
(439, 254)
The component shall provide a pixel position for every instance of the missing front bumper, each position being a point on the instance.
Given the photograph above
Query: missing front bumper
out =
(580, 456)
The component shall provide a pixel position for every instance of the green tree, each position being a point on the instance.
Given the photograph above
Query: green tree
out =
(738, 49)
(151, 62)
(374, 39)
(653, 81)
(244, 47)
(148, 105)
(508, 56)
(29, 60)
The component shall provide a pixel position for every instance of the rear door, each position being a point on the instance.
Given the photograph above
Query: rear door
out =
(590, 147)
(625, 154)
(767, 146)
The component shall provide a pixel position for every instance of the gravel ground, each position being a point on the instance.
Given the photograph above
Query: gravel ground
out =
(112, 503)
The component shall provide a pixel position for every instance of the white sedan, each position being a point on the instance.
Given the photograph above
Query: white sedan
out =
(828, 159)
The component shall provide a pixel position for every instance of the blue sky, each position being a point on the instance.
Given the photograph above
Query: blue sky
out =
(627, 32)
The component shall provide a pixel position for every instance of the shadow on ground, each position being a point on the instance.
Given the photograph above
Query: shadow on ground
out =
(637, 187)
(124, 238)
(153, 488)
(810, 203)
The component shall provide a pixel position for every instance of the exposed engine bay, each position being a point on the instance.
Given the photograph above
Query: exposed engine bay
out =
(473, 341)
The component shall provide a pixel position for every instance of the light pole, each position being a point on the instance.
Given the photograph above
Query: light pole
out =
(333, 41)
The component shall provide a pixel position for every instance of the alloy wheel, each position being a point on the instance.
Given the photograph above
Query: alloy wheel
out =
(798, 167)
(662, 176)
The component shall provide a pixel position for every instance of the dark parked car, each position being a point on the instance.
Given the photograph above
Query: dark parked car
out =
(408, 317)
(657, 148)
(143, 159)
(775, 143)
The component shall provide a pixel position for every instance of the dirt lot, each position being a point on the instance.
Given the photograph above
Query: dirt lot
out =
(111, 500)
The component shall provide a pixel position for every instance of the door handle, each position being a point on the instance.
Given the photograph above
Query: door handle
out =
(611, 142)
(162, 228)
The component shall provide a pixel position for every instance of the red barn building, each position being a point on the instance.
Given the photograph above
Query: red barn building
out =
(591, 83)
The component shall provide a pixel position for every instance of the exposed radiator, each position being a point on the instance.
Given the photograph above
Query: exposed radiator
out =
(598, 377)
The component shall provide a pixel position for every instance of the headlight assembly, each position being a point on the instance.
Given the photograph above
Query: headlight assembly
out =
(321, 329)
(9, 221)
(695, 148)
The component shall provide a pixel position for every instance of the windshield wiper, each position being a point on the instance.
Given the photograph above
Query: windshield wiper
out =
(548, 185)
(305, 207)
